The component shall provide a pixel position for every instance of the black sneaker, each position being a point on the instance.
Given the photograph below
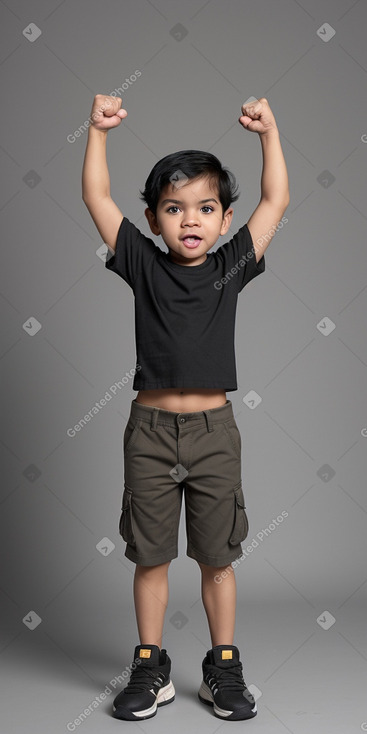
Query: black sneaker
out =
(223, 686)
(149, 685)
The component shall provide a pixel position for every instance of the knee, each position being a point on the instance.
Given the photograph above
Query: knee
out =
(215, 573)
(157, 569)
(210, 569)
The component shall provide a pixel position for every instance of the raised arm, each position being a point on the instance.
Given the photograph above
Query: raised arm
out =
(106, 114)
(258, 117)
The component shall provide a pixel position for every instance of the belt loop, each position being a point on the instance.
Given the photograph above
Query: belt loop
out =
(153, 423)
(209, 420)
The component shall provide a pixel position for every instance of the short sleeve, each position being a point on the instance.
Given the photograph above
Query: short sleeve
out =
(132, 253)
(239, 258)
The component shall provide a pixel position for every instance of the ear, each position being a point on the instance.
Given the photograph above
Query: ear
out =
(152, 221)
(227, 219)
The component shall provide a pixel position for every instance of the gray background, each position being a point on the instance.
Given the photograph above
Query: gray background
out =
(303, 446)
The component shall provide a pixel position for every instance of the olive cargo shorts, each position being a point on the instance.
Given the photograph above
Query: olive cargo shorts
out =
(165, 453)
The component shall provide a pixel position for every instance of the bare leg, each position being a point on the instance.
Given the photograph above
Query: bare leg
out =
(219, 600)
(151, 599)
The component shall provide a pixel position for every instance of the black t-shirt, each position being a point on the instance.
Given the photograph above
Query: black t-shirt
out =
(184, 314)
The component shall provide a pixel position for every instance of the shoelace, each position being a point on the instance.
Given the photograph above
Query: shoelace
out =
(141, 678)
(227, 677)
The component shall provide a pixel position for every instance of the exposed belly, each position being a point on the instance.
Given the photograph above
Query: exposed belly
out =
(182, 400)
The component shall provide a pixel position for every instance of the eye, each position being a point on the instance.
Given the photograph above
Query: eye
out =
(169, 209)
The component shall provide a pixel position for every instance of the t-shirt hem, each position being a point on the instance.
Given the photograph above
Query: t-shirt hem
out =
(165, 385)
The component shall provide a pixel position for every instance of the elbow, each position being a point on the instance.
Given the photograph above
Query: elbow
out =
(87, 200)
(281, 206)
(285, 202)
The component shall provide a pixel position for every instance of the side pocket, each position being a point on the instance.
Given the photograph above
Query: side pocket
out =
(126, 520)
(233, 432)
(240, 525)
(130, 434)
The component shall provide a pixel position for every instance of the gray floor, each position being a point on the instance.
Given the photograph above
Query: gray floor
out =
(308, 678)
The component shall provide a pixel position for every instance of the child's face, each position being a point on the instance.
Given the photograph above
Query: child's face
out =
(187, 213)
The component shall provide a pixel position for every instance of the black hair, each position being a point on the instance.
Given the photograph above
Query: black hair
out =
(190, 164)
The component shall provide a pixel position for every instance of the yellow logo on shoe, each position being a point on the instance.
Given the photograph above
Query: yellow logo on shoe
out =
(226, 654)
(144, 653)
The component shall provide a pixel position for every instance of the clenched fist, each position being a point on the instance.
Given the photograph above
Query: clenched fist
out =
(258, 117)
(106, 112)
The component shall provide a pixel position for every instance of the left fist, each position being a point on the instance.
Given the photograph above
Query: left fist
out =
(258, 117)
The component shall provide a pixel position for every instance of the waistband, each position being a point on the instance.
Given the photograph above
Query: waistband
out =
(161, 417)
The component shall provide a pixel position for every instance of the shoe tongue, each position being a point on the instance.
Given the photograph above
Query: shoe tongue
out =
(225, 656)
(148, 655)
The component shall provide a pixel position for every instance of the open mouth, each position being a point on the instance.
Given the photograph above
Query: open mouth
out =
(191, 241)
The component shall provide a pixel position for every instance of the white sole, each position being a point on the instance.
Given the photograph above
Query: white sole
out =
(206, 694)
(165, 695)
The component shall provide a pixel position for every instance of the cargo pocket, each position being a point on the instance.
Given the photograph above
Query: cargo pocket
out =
(240, 525)
(126, 521)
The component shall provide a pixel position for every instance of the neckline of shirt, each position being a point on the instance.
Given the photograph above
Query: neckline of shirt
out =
(191, 269)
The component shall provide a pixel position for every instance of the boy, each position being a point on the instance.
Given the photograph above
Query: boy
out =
(181, 433)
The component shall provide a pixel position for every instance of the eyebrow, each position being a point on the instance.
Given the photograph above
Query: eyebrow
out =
(176, 201)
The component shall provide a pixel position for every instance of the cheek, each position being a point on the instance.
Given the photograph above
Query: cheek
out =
(171, 228)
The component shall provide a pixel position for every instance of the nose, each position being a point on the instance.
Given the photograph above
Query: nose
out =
(190, 218)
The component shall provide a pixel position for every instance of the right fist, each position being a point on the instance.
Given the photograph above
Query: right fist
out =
(106, 112)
